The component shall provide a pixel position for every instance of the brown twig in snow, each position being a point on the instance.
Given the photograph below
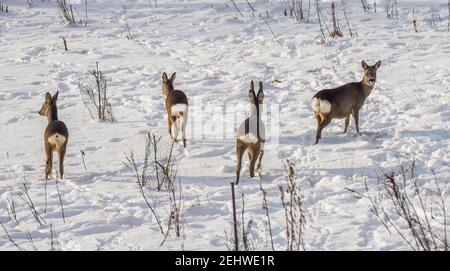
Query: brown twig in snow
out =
(266, 209)
(65, 44)
(344, 7)
(60, 202)
(271, 31)
(237, 9)
(8, 236)
(233, 201)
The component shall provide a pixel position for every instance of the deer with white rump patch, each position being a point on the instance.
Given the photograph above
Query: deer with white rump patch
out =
(251, 133)
(343, 101)
(176, 108)
(56, 134)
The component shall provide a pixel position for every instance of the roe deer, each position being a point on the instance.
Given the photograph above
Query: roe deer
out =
(251, 133)
(56, 134)
(346, 100)
(176, 108)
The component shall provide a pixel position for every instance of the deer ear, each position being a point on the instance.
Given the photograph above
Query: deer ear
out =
(364, 64)
(260, 96)
(164, 77)
(55, 97)
(377, 65)
(173, 76)
(48, 97)
(260, 93)
(252, 85)
(251, 96)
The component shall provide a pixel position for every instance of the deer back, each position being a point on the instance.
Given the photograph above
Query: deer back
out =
(175, 97)
(343, 99)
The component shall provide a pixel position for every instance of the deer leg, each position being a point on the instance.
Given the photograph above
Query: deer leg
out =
(261, 154)
(322, 124)
(183, 130)
(62, 152)
(240, 149)
(250, 159)
(174, 132)
(318, 127)
(255, 153)
(346, 122)
(355, 114)
(169, 124)
(49, 162)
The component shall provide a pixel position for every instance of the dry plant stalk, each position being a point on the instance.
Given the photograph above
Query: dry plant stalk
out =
(141, 181)
(246, 229)
(237, 9)
(83, 154)
(400, 196)
(94, 94)
(243, 239)
(30, 240)
(25, 196)
(65, 44)
(10, 239)
(251, 7)
(129, 36)
(271, 31)
(60, 202)
(11, 208)
(3, 7)
(166, 177)
(365, 5)
(176, 212)
(295, 9)
(336, 29)
(292, 201)
(65, 11)
(414, 20)
(391, 8)
(266, 209)
(235, 226)
(320, 22)
(344, 8)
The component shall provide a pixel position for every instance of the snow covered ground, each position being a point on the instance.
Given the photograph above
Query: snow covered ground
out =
(215, 52)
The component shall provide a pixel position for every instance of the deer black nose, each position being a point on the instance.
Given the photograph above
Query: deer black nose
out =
(372, 80)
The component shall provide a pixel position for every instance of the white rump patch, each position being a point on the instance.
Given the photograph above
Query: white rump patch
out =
(180, 124)
(57, 139)
(325, 106)
(322, 106)
(315, 104)
(177, 108)
(249, 138)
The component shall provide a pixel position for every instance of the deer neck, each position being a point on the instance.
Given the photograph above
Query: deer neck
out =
(167, 89)
(255, 112)
(53, 114)
(367, 89)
